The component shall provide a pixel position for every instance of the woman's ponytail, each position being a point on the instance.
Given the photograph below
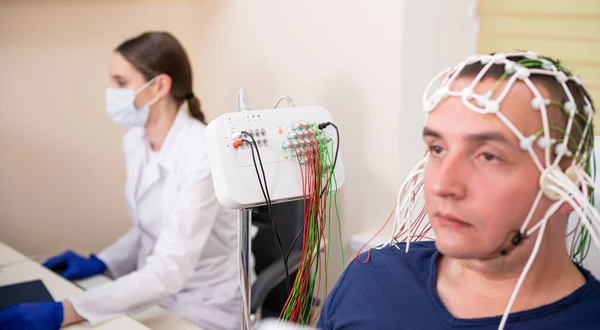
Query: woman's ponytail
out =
(195, 108)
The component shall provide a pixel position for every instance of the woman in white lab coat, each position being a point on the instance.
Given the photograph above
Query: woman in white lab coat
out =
(181, 250)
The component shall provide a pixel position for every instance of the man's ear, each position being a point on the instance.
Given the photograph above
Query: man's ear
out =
(565, 209)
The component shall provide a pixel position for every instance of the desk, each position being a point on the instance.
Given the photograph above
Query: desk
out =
(15, 267)
(154, 317)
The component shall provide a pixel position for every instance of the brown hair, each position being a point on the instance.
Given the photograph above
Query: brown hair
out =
(556, 115)
(154, 53)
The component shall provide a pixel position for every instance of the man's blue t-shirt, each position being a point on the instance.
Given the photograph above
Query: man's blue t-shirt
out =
(397, 290)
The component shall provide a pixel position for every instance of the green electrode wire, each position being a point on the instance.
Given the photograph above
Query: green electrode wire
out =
(331, 200)
(313, 243)
(582, 240)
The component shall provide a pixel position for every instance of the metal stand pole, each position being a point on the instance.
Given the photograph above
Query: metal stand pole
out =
(244, 221)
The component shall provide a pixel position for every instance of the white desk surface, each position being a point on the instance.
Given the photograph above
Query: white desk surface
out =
(15, 268)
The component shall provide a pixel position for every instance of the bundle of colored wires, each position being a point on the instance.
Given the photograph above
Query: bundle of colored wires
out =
(581, 243)
(318, 181)
(418, 231)
(409, 231)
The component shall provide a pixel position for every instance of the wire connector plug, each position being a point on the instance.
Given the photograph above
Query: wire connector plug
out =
(322, 126)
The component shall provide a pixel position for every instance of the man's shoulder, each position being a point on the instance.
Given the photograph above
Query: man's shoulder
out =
(398, 255)
(371, 287)
(391, 263)
(593, 286)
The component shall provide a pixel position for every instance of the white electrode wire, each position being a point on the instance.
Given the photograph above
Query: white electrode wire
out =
(584, 177)
(286, 98)
(588, 214)
(543, 71)
(575, 228)
(472, 106)
(406, 214)
(544, 114)
(417, 194)
(416, 170)
(566, 184)
(534, 207)
(573, 189)
(507, 87)
(581, 222)
(583, 136)
(401, 219)
(590, 114)
(580, 211)
(394, 219)
(448, 73)
(569, 123)
(415, 227)
(529, 263)
(582, 204)
(553, 208)
(481, 73)
(397, 223)
(458, 69)
(519, 135)
(582, 180)
(427, 105)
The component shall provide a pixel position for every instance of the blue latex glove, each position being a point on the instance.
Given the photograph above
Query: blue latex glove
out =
(73, 266)
(38, 316)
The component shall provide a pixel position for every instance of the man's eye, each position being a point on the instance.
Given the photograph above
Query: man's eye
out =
(435, 149)
(489, 157)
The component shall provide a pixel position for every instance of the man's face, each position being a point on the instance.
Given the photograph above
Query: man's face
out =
(479, 185)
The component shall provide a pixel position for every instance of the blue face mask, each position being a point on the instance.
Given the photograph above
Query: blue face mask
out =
(121, 107)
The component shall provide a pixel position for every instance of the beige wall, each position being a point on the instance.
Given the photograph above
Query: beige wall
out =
(61, 167)
(61, 175)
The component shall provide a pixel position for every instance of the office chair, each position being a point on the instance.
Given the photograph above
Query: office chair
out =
(269, 293)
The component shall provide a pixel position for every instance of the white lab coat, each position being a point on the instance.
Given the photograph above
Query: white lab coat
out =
(182, 249)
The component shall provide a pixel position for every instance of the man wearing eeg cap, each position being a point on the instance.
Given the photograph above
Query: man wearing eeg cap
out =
(498, 184)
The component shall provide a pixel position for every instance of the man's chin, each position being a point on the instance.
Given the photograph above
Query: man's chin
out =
(458, 250)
